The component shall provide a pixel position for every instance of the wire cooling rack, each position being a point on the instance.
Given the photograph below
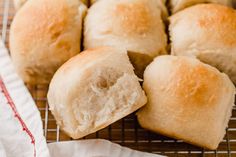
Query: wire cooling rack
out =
(127, 131)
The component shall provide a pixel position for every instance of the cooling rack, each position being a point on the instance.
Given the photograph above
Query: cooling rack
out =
(127, 131)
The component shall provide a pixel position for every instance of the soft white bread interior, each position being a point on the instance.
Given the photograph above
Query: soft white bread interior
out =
(207, 31)
(93, 90)
(44, 34)
(187, 100)
(135, 25)
(177, 5)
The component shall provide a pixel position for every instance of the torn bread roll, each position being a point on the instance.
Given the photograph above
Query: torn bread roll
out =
(93, 90)
(177, 5)
(207, 31)
(135, 25)
(187, 100)
(44, 34)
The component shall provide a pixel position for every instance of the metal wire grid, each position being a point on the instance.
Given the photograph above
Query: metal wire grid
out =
(127, 131)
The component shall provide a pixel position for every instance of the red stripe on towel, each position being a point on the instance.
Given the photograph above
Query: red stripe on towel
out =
(13, 107)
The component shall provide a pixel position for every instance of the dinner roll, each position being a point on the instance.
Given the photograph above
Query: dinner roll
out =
(177, 5)
(93, 90)
(19, 3)
(207, 31)
(187, 100)
(135, 25)
(44, 34)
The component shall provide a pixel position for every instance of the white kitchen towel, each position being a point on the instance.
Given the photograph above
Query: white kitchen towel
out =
(93, 148)
(21, 132)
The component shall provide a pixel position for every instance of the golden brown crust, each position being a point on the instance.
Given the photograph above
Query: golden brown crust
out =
(134, 25)
(44, 34)
(218, 18)
(86, 57)
(216, 22)
(133, 17)
(200, 90)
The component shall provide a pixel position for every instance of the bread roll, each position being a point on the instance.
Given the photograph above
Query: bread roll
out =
(93, 90)
(19, 3)
(135, 25)
(177, 5)
(187, 100)
(207, 31)
(44, 34)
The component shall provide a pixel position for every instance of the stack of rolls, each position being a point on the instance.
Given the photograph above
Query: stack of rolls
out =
(186, 95)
